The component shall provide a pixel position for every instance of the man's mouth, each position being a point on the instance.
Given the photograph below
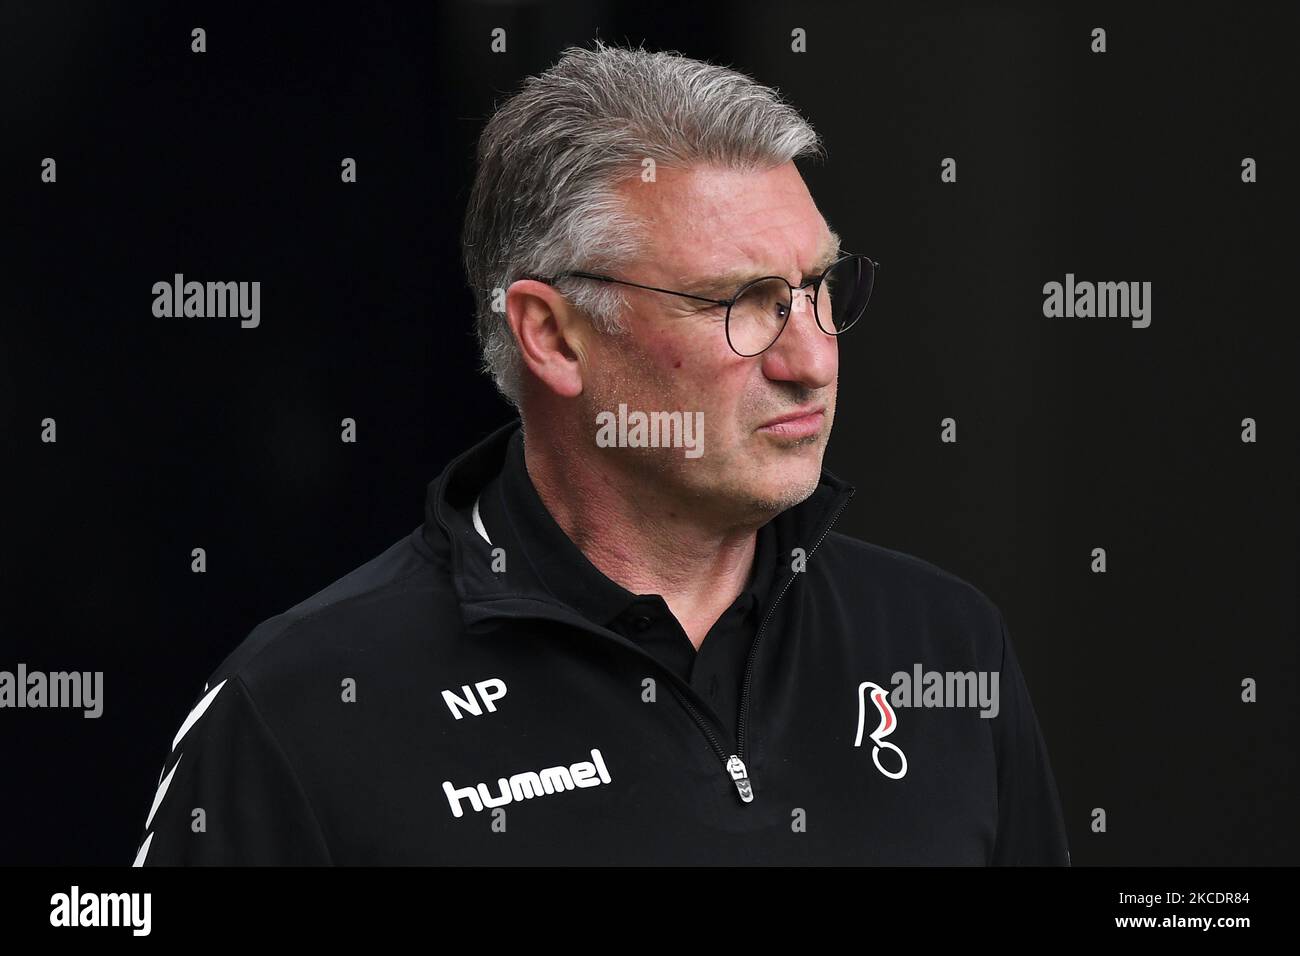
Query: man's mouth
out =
(799, 423)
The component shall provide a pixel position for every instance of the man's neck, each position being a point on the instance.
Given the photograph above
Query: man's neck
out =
(647, 546)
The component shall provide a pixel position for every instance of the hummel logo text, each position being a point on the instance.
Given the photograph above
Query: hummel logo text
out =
(525, 786)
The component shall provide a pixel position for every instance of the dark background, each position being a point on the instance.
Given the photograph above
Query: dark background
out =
(1073, 433)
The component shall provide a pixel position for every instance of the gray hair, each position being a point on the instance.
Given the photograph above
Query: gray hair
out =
(551, 158)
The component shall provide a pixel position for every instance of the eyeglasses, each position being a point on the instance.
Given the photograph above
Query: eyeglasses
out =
(757, 314)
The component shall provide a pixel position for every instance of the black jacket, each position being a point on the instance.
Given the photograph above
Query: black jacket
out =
(433, 708)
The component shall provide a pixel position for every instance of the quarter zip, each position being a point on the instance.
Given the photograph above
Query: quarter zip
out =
(733, 764)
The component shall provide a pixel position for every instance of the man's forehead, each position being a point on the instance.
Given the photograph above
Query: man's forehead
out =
(689, 206)
(724, 279)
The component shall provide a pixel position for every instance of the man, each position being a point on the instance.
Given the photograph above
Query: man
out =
(626, 631)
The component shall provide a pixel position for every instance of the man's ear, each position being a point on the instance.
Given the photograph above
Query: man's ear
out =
(551, 334)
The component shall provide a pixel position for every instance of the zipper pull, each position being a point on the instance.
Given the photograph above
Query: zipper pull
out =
(736, 767)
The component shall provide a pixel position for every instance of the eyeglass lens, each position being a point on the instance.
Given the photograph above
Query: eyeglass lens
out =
(760, 312)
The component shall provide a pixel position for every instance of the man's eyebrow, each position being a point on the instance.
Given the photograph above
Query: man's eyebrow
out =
(830, 252)
(719, 286)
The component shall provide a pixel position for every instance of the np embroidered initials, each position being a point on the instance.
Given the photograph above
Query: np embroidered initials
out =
(489, 692)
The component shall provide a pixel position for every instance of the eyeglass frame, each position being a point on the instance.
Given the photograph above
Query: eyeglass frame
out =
(815, 282)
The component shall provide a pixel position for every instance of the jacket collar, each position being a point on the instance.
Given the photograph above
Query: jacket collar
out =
(449, 531)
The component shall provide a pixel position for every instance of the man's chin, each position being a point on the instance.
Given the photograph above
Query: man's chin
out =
(783, 488)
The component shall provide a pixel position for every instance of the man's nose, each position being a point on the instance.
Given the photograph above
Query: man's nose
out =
(803, 352)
